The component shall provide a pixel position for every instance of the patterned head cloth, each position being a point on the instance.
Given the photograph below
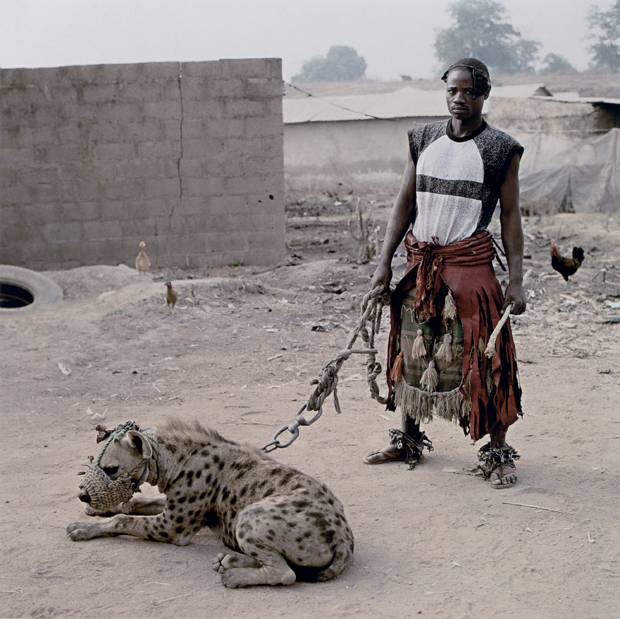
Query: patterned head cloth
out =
(479, 74)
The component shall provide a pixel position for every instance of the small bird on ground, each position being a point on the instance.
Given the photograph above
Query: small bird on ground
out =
(566, 266)
(143, 264)
(171, 296)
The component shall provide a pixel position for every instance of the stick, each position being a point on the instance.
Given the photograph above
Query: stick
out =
(546, 509)
(176, 597)
(490, 349)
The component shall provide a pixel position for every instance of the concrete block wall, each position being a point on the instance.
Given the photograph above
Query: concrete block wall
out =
(187, 157)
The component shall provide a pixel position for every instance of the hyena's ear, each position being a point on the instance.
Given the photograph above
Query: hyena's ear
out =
(139, 442)
(102, 433)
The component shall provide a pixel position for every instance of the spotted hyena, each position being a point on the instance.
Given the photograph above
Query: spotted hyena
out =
(283, 524)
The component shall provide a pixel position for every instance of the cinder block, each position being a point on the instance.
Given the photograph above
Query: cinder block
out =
(114, 152)
(257, 89)
(16, 195)
(269, 126)
(161, 188)
(129, 189)
(82, 211)
(207, 186)
(160, 70)
(100, 230)
(100, 94)
(57, 233)
(38, 215)
(252, 67)
(242, 108)
(170, 167)
(171, 129)
(227, 128)
(244, 185)
(15, 157)
(224, 166)
(210, 148)
(213, 109)
(140, 210)
(12, 77)
(209, 69)
(62, 95)
(107, 170)
(240, 147)
(192, 128)
(227, 204)
(164, 110)
(163, 149)
(192, 168)
(232, 241)
(144, 168)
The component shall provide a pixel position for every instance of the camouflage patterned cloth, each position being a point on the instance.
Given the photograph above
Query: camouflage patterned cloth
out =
(450, 295)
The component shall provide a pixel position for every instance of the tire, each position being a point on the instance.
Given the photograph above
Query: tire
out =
(43, 290)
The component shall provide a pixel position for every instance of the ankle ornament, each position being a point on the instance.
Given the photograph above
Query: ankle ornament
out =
(492, 457)
(412, 448)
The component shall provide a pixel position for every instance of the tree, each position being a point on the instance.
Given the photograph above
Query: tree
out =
(556, 64)
(341, 65)
(481, 31)
(606, 32)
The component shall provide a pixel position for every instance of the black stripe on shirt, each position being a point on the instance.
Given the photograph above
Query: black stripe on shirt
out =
(460, 188)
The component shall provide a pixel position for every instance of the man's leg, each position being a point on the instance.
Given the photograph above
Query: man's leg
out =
(503, 474)
(391, 453)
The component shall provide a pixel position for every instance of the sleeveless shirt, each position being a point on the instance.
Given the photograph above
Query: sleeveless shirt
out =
(458, 180)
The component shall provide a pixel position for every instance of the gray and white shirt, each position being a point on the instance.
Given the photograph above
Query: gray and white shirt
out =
(458, 180)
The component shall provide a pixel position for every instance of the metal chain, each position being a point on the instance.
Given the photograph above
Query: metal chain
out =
(370, 321)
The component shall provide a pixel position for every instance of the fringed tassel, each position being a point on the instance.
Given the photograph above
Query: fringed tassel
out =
(449, 307)
(445, 350)
(423, 407)
(396, 374)
(430, 379)
(419, 347)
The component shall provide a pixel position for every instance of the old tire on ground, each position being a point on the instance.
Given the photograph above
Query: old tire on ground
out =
(22, 289)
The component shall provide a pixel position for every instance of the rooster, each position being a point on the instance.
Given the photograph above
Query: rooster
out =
(143, 264)
(566, 266)
(171, 296)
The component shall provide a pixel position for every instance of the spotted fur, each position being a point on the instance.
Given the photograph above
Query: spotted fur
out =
(280, 524)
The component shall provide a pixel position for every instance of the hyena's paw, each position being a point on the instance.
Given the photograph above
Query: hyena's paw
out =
(223, 562)
(82, 531)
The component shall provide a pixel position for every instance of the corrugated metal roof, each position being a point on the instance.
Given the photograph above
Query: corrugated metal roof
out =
(407, 102)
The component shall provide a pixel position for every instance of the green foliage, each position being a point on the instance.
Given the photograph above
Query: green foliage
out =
(606, 34)
(341, 65)
(556, 64)
(480, 31)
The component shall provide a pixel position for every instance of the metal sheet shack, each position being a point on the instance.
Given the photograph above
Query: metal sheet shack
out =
(571, 158)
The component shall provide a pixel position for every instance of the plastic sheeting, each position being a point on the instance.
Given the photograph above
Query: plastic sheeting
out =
(559, 168)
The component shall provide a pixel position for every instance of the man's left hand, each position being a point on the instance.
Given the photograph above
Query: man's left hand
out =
(515, 294)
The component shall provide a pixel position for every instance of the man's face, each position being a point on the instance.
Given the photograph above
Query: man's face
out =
(460, 95)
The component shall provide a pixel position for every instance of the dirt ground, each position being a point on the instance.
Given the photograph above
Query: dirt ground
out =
(238, 353)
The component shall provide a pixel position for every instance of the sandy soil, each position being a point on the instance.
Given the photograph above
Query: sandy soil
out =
(238, 353)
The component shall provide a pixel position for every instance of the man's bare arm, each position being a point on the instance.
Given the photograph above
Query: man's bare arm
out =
(512, 237)
(399, 222)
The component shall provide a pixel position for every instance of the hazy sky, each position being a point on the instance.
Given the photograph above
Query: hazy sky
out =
(394, 36)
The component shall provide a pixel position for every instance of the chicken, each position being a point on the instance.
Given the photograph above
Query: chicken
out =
(143, 264)
(566, 266)
(171, 296)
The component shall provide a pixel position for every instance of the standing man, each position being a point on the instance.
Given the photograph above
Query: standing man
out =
(447, 304)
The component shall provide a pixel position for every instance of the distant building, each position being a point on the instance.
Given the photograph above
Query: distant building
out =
(363, 139)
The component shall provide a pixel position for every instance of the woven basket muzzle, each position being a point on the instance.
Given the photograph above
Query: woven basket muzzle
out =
(106, 493)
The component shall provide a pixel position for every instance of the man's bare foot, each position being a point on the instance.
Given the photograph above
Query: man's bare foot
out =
(503, 476)
(391, 453)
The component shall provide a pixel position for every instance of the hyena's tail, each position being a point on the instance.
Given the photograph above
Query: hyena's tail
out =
(340, 560)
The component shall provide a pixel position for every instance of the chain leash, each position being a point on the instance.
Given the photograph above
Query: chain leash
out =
(368, 327)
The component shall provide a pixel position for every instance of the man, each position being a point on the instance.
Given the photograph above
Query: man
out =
(446, 306)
